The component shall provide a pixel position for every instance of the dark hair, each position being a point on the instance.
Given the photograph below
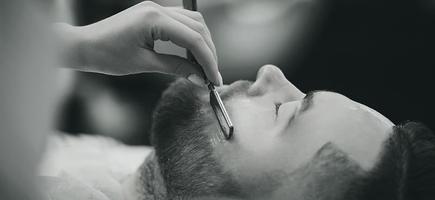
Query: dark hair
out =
(406, 169)
(183, 148)
(421, 167)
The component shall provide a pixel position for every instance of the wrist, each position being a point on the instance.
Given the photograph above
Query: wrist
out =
(73, 45)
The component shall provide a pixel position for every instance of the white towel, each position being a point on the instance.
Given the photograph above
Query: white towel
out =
(88, 167)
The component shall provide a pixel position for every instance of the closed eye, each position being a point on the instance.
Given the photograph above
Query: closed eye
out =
(277, 105)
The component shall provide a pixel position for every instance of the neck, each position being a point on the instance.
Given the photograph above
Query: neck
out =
(147, 183)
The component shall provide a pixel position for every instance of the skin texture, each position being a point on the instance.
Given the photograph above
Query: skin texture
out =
(124, 43)
(266, 144)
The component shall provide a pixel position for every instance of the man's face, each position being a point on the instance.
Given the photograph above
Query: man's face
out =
(279, 128)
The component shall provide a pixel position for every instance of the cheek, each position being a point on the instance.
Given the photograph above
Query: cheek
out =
(348, 129)
(253, 123)
(254, 160)
(317, 127)
(308, 133)
(253, 131)
(256, 146)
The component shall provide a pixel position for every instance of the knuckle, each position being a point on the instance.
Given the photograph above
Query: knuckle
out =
(198, 16)
(151, 12)
(201, 29)
(197, 41)
(148, 4)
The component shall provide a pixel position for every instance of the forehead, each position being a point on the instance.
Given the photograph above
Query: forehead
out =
(365, 112)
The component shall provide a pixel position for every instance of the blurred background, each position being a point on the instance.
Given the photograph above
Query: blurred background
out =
(377, 52)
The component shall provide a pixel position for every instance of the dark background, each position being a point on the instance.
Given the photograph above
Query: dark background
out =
(379, 53)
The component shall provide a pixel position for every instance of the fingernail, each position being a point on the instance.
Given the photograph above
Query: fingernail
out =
(220, 80)
(196, 79)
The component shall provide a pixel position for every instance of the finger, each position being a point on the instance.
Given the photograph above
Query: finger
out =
(195, 21)
(171, 64)
(197, 80)
(192, 14)
(195, 15)
(198, 26)
(180, 34)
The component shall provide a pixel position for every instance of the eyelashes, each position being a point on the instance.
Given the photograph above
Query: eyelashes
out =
(277, 105)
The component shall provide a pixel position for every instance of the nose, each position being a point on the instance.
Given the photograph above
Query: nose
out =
(271, 81)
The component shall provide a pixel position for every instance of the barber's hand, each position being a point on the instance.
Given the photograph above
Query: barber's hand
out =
(123, 44)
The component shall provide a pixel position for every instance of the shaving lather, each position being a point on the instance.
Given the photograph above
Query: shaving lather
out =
(215, 100)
